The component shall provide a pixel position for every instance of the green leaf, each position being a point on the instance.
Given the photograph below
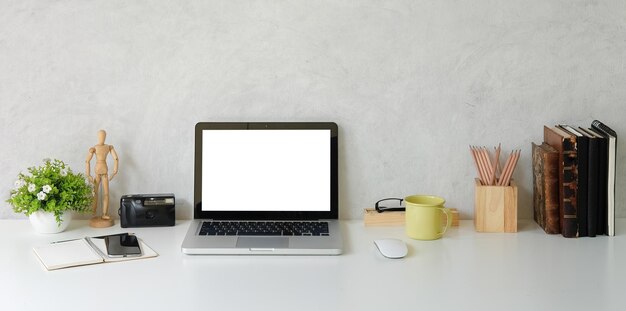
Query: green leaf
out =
(68, 193)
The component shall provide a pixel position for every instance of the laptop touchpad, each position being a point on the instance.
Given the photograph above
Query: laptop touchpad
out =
(262, 242)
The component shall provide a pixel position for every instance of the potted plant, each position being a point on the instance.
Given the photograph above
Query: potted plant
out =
(48, 193)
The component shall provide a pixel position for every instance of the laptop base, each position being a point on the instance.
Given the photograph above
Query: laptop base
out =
(195, 244)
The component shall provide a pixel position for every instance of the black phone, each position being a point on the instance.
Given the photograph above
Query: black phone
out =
(122, 245)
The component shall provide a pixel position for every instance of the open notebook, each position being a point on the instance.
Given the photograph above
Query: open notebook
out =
(85, 251)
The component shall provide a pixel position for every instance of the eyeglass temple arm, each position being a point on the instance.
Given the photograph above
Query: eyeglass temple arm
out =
(389, 209)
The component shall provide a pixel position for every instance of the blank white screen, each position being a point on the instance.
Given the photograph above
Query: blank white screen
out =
(266, 170)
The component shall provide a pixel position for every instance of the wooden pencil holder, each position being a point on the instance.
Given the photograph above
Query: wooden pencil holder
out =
(495, 208)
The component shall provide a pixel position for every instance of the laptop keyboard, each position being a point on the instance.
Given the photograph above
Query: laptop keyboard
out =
(266, 228)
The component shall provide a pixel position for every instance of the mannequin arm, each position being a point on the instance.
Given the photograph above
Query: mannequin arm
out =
(88, 163)
(115, 163)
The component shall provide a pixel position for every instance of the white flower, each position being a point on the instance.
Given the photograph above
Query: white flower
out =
(63, 172)
(19, 183)
(46, 188)
(41, 196)
(31, 187)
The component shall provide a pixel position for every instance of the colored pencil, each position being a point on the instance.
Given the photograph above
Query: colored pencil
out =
(491, 173)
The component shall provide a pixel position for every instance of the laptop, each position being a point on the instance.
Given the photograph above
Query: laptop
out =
(265, 189)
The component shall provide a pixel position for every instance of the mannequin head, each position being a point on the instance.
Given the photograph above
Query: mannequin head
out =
(102, 135)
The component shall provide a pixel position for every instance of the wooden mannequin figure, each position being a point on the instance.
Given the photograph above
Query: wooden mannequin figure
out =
(101, 176)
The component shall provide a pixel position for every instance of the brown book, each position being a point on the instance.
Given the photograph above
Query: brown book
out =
(565, 144)
(546, 188)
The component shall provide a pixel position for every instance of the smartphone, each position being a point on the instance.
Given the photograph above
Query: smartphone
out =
(122, 245)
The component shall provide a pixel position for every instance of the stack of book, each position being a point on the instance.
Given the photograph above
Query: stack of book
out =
(574, 180)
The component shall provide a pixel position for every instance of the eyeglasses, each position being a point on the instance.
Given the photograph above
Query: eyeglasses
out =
(389, 206)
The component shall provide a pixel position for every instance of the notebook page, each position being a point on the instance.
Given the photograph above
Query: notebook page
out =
(67, 254)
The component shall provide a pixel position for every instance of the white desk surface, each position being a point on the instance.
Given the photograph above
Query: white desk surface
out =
(465, 270)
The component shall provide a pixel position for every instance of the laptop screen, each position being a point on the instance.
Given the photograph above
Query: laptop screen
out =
(259, 170)
(265, 170)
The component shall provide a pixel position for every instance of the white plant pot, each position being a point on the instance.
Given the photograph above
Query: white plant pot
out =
(44, 222)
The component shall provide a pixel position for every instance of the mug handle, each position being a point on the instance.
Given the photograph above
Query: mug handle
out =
(448, 219)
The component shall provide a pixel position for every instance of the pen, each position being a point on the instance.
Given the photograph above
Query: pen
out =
(66, 241)
(95, 237)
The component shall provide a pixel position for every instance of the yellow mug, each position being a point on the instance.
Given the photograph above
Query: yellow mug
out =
(424, 217)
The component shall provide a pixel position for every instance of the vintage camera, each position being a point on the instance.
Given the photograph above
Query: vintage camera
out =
(147, 210)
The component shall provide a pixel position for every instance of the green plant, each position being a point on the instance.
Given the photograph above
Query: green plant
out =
(52, 187)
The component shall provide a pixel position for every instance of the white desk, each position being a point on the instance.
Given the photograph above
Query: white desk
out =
(463, 271)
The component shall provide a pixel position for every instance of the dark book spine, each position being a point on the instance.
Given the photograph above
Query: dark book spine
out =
(582, 193)
(569, 222)
(565, 145)
(594, 181)
(603, 176)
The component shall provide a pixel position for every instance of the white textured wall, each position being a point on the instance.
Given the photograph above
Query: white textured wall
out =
(410, 83)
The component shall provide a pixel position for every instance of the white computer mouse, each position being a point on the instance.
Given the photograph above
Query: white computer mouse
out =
(391, 248)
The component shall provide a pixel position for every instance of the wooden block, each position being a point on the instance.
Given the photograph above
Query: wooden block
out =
(495, 208)
(455, 217)
(372, 218)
